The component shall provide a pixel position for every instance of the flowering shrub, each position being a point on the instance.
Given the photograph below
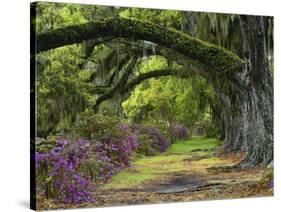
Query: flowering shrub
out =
(150, 140)
(112, 143)
(160, 142)
(97, 127)
(114, 154)
(68, 172)
(57, 171)
(180, 132)
(146, 145)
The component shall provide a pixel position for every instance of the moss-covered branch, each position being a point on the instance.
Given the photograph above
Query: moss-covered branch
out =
(136, 48)
(210, 55)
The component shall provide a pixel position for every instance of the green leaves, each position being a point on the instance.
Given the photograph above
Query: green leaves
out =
(70, 77)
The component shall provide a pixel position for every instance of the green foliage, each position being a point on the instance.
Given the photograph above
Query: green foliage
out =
(168, 18)
(51, 16)
(58, 89)
(169, 100)
(95, 126)
(145, 145)
(65, 75)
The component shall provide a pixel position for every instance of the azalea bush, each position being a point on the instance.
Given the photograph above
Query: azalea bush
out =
(113, 142)
(146, 145)
(151, 139)
(160, 142)
(57, 172)
(70, 170)
(97, 127)
(180, 132)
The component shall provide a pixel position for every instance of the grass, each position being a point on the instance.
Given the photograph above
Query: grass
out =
(149, 168)
(127, 179)
(194, 143)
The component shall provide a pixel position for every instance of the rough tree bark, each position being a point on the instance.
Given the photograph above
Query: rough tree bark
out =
(256, 106)
(249, 112)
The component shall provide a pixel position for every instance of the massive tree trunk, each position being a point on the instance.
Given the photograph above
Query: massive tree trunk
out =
(255, 102)
(248, 104)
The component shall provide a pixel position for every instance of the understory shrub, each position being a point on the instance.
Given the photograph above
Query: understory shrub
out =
(160, 142)
(69, 171)
(97, 127)
(145, 145)
(150, 139)
(58, 176)
(180, 132)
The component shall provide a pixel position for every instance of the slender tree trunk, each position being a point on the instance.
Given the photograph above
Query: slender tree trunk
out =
(232, 124)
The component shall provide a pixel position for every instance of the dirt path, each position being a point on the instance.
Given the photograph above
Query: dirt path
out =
(182, 174)
(177, 182)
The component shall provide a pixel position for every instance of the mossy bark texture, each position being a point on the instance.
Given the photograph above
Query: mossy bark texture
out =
(256, 101)
(212, 56)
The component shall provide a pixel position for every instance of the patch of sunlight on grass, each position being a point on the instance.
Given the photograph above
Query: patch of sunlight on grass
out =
(149, 168)
(185, 147)
(163, 167)
(125, 179)
(146, 169)
(209, 161)
(159, 159)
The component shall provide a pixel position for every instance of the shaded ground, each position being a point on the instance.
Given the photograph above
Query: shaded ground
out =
(186, 172)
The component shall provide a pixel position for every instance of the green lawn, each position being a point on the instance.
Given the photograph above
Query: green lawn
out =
(194, 143)
(148, 168)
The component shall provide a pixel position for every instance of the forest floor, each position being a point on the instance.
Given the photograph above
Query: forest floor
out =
(190, 170)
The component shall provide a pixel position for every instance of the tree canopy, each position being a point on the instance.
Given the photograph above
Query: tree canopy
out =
(175, 66)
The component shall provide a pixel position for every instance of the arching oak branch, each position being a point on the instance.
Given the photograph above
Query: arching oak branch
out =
(210, 55)
(137, 49)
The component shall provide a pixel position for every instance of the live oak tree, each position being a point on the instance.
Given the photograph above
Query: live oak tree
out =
(243, 84)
